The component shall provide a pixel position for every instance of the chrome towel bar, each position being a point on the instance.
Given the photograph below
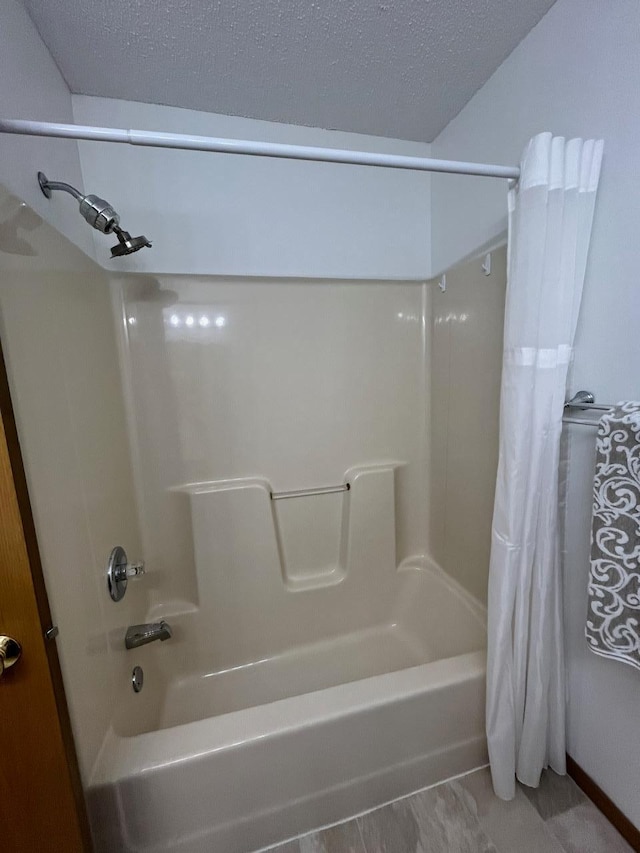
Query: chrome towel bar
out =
(583, 401)
(305, 493)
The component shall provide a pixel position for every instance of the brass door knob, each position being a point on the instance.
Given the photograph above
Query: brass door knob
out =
(10, 651)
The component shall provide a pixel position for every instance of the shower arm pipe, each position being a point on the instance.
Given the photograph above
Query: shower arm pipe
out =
(67, 188)
(156, 139)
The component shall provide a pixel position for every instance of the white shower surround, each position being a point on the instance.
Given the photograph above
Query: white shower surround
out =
(313, 639)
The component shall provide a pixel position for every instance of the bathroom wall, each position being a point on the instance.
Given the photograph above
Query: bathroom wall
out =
(59, 343)
(31, 87)
(254, 216)
(465, 366)
(575, 74)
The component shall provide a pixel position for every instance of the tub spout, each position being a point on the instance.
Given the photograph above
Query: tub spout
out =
(140, 635)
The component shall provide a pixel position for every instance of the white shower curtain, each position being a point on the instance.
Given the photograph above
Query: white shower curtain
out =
(550, 216)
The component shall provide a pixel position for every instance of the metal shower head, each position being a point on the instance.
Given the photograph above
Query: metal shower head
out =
(100, 215)
(127, 244)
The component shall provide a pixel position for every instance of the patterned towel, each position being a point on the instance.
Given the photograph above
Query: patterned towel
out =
(613, 617)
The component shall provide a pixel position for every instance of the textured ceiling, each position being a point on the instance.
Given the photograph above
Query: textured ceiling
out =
(400, 68)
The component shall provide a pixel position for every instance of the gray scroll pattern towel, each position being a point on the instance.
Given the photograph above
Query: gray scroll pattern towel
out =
(613, 619)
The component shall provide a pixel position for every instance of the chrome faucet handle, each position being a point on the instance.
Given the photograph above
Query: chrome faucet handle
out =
(119, 570)
(131, 570)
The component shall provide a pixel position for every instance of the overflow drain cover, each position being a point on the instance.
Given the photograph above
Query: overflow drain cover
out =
(137, 679)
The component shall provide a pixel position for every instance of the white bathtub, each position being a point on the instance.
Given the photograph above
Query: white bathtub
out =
(239, 759)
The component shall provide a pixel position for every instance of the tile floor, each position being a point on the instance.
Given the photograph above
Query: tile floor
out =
(464, 816)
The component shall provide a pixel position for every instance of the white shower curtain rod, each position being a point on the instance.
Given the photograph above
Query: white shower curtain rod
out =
(156, 139)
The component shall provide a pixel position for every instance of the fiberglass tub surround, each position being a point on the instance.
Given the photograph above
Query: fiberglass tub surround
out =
(321, 662)
(312, 634)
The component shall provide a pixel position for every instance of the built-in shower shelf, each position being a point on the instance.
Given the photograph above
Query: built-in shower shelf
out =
(332, 576)
(200, 487)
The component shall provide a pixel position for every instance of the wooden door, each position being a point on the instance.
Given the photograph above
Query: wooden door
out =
(41, 801)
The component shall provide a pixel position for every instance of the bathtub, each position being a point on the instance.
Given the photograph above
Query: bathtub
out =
(241, 758)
